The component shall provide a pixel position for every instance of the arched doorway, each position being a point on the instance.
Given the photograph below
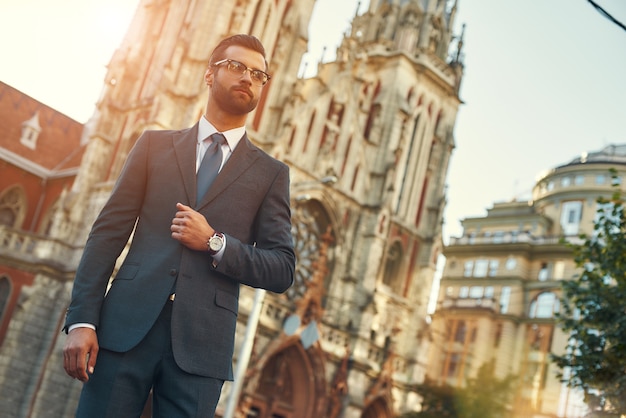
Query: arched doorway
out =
(290, 385)
(377, 409)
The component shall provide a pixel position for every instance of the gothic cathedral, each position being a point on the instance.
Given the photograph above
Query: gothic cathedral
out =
(368, 140)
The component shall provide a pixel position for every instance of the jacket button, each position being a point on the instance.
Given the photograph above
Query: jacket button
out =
(173, 272)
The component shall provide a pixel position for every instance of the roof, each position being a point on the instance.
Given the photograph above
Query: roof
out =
(614, 154)
(58, 145)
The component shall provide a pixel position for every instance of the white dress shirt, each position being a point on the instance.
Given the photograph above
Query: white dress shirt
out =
(206, 129)
(233, 136)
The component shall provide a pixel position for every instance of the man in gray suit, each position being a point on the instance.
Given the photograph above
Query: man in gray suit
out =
(167, 323)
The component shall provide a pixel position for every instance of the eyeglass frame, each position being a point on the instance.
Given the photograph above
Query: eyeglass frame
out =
(250, 70)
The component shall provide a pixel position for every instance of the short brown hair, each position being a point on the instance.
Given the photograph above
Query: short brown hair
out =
(243, 40)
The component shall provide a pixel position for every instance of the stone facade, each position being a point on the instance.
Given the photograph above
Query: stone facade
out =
(368, 140)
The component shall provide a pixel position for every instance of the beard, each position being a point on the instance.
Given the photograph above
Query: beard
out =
(236, 100)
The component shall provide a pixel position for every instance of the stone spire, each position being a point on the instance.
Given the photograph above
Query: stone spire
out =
(409, 26)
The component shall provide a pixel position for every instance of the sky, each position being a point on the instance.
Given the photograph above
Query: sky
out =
(545, 80)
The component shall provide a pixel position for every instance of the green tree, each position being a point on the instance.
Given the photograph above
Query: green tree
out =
(593, 312)
(437, 402)
(483, 397)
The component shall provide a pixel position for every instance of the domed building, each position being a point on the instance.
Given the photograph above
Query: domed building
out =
(500, 287)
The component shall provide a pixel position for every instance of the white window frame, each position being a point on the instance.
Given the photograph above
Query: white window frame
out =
(505, 299)
(481, 268)
(476, 292)
(571, 214)
(468, 267)
(493, 268)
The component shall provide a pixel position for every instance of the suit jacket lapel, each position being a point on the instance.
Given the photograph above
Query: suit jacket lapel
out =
(185, 148)
(241, 159)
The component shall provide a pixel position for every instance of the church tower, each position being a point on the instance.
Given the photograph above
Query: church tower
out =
(368, 140)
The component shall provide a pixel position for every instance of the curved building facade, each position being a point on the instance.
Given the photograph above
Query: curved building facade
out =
(500, 287)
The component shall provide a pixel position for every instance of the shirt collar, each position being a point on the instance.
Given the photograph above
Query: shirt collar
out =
(233, 136)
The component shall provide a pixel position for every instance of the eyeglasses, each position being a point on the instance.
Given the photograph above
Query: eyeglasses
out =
(235, 67)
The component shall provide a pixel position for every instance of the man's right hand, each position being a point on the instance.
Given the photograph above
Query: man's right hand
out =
(80, 353)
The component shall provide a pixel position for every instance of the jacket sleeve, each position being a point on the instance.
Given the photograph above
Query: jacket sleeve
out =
(108, 237)
(269, 263)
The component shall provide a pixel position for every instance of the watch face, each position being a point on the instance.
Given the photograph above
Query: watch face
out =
(215, 243)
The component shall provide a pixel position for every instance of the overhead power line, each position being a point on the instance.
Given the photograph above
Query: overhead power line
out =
(606, 14)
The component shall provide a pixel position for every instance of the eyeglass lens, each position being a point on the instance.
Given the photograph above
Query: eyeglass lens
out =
(239, 68)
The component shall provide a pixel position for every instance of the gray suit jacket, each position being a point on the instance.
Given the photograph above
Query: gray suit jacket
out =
(248, 202)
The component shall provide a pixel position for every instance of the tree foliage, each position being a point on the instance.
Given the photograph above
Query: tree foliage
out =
(593, 312)
(483, 397)
(437, 401)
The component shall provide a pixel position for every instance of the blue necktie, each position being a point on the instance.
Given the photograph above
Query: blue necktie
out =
(210, 165)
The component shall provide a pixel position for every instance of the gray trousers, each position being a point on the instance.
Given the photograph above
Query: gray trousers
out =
(121, 382)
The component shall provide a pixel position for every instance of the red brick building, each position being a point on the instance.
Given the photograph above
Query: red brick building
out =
(40, 152)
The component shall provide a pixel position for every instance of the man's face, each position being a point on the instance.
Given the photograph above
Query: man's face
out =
(233, 92)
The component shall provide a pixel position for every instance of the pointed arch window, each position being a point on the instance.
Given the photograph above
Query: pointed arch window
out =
(372, 118)
(12, 207)
(308, 223)
(308, 132)
(355, 176)
(291, 138)
(392, 267)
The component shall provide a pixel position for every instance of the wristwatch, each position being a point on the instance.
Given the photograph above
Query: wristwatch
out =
(215, 243)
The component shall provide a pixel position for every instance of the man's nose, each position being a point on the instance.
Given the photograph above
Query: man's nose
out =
(247, 75)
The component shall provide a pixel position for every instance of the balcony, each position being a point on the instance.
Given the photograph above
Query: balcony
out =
(513, 238)
(32, 248)
(471, 303)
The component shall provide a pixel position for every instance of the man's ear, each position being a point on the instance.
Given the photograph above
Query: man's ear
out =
(208, 77)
